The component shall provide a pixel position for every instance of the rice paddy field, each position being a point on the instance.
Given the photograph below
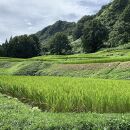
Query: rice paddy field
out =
(104, 56)
(59, 94)
(74, 92)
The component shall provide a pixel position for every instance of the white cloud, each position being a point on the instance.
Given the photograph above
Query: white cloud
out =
(29, 16)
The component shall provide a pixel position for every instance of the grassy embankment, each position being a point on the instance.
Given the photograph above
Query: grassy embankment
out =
(80, 65)
(15, 115)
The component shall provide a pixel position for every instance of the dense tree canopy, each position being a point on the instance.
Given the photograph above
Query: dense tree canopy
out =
(49, 32)
(93, 36)
(120, 34)
(22, 46)
(119, 4)
(1, 50)
(60, 44)
(115, 17)
(78, 31)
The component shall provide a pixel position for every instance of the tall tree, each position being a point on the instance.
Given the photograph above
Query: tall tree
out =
(1, 51)
(120, 34)
(93, 36)
(60, 44)
(78, 31)
(22, 46)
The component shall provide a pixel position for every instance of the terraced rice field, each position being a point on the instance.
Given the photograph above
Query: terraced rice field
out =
(60, 94)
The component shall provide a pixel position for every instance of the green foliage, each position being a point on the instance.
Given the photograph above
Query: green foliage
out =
(115, 17)
(1, 50)
(120, 34)
(119, 5)
(22, 46)
(94, 34)
(126, 14)
(48, 33)
(27, 68)
(15, 115)
(78, 32)
(77, 46)
(60, 44)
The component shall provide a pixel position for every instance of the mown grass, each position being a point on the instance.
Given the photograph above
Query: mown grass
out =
(54, 94)
(15, 115)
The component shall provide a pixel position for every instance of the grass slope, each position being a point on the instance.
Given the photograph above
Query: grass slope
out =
(17, 116)
(80, 65)
(56, 94)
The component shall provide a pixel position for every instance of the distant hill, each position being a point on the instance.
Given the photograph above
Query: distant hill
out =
(115, 16)
(60, 26)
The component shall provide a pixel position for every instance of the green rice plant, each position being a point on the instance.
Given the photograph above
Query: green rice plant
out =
(60, 94)
(15, 115)
(104, 56)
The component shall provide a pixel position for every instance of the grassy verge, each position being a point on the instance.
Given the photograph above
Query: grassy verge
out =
(17, 116)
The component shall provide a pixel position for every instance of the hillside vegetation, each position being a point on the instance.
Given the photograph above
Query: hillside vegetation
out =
(108, 28)
(60, 26)
(115, 17)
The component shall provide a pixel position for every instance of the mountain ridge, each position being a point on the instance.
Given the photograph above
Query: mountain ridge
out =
(115, 16)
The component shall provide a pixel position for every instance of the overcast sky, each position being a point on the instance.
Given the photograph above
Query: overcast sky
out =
(29, 16)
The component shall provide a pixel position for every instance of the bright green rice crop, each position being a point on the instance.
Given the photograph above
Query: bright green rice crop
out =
(60, 94)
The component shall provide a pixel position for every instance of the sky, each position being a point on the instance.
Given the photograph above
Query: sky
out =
(19, 17)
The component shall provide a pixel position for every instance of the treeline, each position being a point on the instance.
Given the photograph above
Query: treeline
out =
(21, 47)
(115, 17)
(92, 34)
(29, 46)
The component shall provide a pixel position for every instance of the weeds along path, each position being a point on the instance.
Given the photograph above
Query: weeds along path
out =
(116, 66)
(15, 115)
(60, 94)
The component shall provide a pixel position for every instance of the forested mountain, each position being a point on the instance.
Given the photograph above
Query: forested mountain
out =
(60, 26)
(115, 17)
(110, 27)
